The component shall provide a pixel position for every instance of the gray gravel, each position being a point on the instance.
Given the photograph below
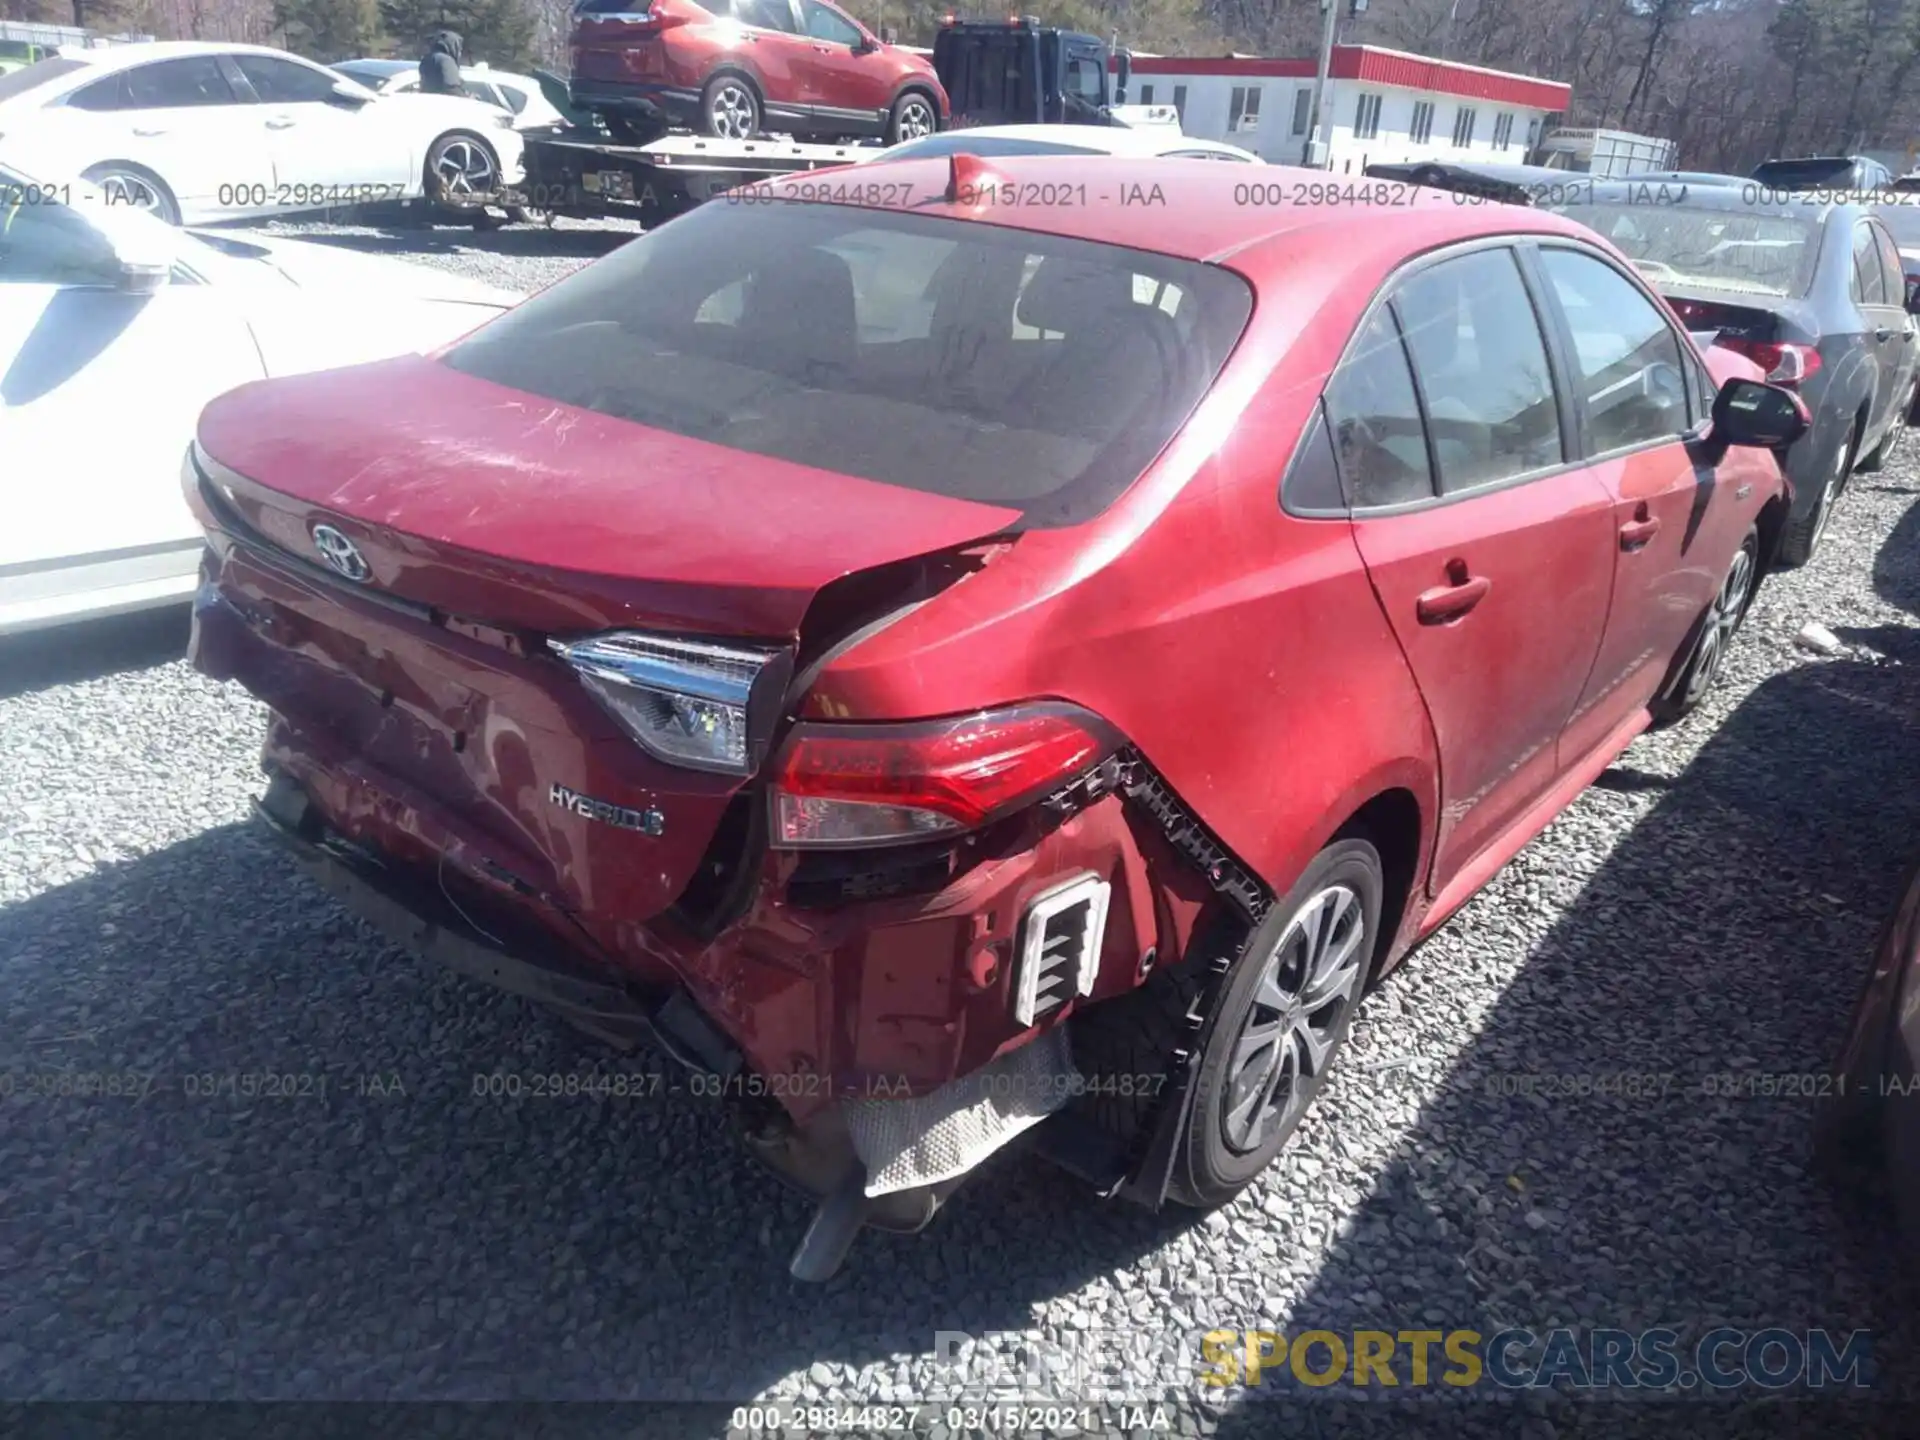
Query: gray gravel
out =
(1707, 910)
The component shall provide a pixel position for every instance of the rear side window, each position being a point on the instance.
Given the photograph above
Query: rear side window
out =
(766, 14)
(32, 77)
(1378, 440)
(1626, 357)
(174, 84)
(1482, 366)
(1869, 285)
(515, 97)
(1892, 267)
(981, 362)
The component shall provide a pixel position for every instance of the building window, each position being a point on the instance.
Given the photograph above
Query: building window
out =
(1533, 135)
(1302, 111)
(1366, 118)
(1463, 128)
(1146, 94)
(1180, 103)
(1244, 111)
(1503, 130)
(1422, 130)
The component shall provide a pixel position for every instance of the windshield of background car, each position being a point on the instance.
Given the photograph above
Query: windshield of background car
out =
(976, 361)
(1804, 174)
(18, 82)
(959, 141)
(1745, 251)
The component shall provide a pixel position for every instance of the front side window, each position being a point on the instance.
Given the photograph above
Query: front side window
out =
(976, 361)
(45, 244)
(1085, 79)
(282, 82)
(1483, 370)
(826, 23)
(1626, 357)
(1378, 441)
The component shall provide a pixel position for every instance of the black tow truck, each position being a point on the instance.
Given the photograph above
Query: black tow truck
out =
(1008, 72)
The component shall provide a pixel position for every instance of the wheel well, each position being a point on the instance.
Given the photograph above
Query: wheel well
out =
(136, 168)
(1390, 822)
(720, 71)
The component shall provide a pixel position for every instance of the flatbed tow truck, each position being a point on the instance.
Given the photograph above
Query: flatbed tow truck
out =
(985, 66)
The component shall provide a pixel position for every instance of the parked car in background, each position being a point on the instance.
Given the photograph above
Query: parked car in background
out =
(1812, 291)
(202, 132)
(519, 95)
(1510, 184)
(1850, 174)
(988, 141)
(114, 330)
(1690, 177)
(18, 54)
(800, 67)
(827, 684)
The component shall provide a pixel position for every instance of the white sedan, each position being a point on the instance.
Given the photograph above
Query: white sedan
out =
(202, 132)
(115, 331)
(519, 95)
(1162, 141)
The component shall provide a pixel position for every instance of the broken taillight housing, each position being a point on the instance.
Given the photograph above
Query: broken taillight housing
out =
(1785, 362)
(839, 786)
(687, 702)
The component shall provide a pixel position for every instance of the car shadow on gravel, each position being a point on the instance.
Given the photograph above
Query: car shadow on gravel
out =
(92, 649)
(295, 1177)
(1710, 964)
(405, 239)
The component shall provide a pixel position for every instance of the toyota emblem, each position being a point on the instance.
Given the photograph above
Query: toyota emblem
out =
(341, 554)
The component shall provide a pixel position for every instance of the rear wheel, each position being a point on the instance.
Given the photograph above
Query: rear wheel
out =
(1716, 634)
(729, 108)
(1802, 536)
(123, 183)
(912, 117)
(1283, 1014)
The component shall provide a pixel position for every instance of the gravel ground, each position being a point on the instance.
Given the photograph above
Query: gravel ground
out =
(1707, 910)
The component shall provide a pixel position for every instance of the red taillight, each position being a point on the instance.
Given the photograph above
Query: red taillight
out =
(1784, 362)
(840, 785)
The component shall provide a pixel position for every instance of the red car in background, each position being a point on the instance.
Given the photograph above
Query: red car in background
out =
(946, 666)
(735, 67)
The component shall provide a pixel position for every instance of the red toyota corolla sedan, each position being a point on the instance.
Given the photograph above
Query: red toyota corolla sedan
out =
(967, 650)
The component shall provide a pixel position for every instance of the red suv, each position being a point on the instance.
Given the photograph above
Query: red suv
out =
(802, 67)
(942, 666)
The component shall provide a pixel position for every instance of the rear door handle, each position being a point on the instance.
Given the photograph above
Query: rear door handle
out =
(147, 134)
(1446, 603)
(280, 122)
(824, 49)
(1884, 333)
(1639, 531)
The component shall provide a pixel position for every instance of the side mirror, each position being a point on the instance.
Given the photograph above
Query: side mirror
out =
(1124, 74)
(865, 45)
(1752, 413)
(139, 277)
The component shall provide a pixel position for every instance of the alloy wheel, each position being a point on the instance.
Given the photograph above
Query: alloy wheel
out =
(1722, 621)
(465, 170)
(1288, 1036)
(121, 187)
(916, 119)
(732, 111)
(1831, 490)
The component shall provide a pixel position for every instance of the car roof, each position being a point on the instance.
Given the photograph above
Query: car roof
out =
(378, 67)
(1108, 139)
(1177, 207)
(104, 59)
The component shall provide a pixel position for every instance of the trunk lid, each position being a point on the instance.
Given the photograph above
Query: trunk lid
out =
(423, 702)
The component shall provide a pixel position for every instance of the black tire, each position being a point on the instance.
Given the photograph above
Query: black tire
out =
(478, 167)
(1802, 536)
(124, 182)
(1342, 889)
(912, 117)
(730, 107)
(1707, 650)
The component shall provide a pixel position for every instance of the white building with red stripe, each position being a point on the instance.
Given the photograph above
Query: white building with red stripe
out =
(1386, 106)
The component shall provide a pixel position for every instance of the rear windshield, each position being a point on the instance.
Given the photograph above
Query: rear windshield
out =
(18, 82)
(975, 361)
(1804, 174)
(1745, 251)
